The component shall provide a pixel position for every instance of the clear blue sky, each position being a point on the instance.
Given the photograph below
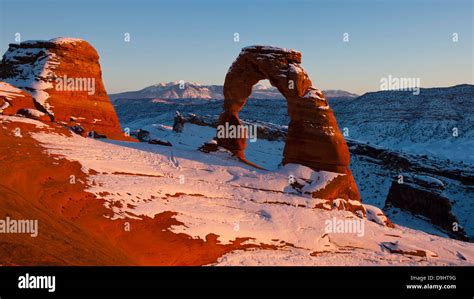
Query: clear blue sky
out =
(194, 40)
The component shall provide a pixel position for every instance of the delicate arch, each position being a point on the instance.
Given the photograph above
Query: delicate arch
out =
(314, 138)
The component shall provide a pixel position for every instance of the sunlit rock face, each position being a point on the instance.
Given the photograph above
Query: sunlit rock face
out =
(64, 77)
(314, 139)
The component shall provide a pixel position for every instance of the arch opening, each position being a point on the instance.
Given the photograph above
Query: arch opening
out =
(267, 110)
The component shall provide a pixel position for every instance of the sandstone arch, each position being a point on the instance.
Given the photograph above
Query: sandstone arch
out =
(314, 139)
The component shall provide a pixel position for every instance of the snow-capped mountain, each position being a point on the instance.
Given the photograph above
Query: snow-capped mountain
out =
(337, 93)
(190, 90)
(173, 90)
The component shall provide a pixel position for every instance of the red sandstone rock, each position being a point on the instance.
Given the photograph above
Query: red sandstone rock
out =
(12, 99)
(65, 79)
(314, 139)
(73, 229)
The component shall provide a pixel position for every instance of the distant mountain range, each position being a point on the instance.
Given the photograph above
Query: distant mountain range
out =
(173, 90)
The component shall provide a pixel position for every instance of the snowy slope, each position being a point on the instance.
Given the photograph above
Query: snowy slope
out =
(419, 124)
(214, 193)
(373, 178)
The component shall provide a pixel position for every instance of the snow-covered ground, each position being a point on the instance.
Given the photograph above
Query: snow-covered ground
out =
(380, 125)
(439, 122)
(214, 193)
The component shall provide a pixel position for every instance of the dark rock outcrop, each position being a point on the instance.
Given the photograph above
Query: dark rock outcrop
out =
(34, 114)
(159, 142)
(141, 135)
(423, 196)
(178, 123)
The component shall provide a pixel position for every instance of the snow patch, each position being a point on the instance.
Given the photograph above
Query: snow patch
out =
(34, 78)
(216, 194)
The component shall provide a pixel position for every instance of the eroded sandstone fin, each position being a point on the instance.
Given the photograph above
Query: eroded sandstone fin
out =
(314, 138)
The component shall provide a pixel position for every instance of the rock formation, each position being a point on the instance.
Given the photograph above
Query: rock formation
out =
(314, 139)
(423, 195)
(65, 79)
(13, 99)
